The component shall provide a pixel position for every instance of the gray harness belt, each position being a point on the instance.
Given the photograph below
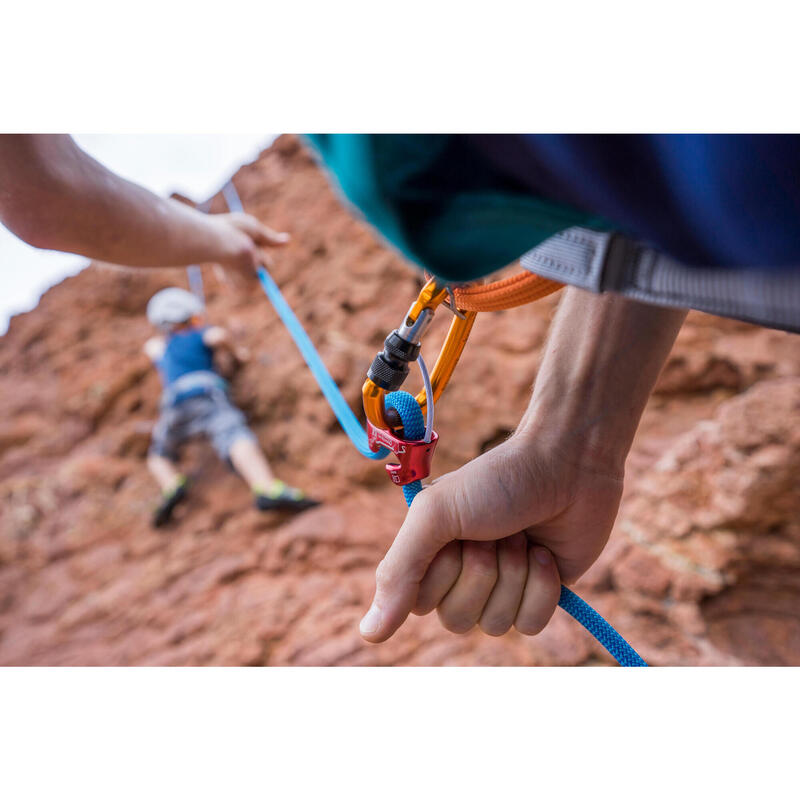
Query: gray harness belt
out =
(192, 384)
(610, 262)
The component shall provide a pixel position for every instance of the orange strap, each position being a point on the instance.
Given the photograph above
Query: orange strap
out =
(508, 293)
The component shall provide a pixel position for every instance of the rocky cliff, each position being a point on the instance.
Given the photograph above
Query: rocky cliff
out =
(704, 562)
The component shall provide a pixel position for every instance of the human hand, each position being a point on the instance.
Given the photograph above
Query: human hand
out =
(242, 239)
(491, 543)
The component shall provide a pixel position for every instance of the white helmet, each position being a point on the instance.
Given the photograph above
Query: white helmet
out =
(172, 306)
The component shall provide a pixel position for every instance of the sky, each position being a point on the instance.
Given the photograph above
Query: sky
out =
(194, 165)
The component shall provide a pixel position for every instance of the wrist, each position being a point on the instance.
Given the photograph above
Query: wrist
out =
(601, 362)
(589, 439)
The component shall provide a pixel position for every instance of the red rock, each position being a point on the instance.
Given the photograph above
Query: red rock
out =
(702, 567)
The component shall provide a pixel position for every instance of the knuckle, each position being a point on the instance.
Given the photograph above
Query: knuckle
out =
(456, 622)
(528, 627)
(495, 625)
(480, 561)
(515, 563)
(451, 560)
(384, 574)
(421, 609)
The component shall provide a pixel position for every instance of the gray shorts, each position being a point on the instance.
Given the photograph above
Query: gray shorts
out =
(211, 415)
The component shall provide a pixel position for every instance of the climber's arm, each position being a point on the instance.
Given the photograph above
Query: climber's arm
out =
(55, 196)
(154, 348)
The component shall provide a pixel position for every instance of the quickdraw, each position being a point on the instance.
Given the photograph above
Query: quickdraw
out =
(390, 367)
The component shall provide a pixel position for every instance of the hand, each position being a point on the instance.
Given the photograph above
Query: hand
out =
(490, 543)
(242, 238)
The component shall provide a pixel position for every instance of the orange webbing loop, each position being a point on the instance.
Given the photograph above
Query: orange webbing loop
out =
(508, 293)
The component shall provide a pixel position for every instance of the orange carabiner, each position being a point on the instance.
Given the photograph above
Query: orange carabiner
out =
(389, 369)
(402, 346)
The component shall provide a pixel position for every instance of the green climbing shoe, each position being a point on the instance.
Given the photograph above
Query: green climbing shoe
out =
(280, 497)
(163, 514)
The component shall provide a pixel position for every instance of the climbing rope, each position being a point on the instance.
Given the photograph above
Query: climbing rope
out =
(414, 427)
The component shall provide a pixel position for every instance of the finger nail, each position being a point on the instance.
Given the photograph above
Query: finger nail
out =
(542, 555)
(282, 237)
(371, 621)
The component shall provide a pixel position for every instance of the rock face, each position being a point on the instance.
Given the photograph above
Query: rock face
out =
(703, 566)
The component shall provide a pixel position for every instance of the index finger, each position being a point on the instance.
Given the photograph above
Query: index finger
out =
(267, 237)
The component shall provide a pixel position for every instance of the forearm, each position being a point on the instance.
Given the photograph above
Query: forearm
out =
(55, 196)
(601, 362)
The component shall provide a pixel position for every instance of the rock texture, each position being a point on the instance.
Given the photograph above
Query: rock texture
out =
(703, 566)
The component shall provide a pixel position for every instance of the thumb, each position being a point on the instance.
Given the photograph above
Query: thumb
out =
(427, 529)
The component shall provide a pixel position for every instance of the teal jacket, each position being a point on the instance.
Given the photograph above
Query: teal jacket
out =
(438, 202)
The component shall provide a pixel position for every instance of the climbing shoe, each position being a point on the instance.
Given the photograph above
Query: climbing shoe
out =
(171, 498)
(280, 497)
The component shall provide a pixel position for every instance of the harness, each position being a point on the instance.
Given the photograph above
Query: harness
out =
(186, 369)
(390, 411)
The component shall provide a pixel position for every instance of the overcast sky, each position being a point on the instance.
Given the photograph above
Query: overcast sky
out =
(195, 165)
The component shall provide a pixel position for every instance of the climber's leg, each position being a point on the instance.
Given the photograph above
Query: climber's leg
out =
(173, 487)
(165, 472)
(270, 493)
(250, 462)
(227, 427)
(161, 461)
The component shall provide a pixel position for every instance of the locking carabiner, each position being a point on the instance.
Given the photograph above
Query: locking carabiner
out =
(390, 367)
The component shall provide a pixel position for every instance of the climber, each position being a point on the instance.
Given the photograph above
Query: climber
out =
(55, 196)
(641, 228)
(195, 401)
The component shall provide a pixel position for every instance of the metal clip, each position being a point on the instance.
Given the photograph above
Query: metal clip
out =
(416, 322)
(450, 303)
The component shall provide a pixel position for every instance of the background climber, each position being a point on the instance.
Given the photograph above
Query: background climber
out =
(195, 401)
(55, 196)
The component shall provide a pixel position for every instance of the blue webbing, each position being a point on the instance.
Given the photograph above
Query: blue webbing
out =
(347, 419)
(413, 428)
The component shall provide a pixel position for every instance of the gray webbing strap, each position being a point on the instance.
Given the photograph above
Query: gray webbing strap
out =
(192, 382)
(608, 262)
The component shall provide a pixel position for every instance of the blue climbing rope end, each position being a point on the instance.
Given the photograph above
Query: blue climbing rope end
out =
(581, 611)
(414, 428)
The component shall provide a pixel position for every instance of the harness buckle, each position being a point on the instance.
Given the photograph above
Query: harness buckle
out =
(415, 455)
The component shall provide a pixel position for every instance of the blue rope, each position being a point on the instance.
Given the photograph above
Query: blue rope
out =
(347, 419)
(414, 428)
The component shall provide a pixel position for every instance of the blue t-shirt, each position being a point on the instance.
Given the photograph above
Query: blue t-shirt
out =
(185, 352)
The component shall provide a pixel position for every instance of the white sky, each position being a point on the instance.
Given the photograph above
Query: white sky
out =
(195, 165)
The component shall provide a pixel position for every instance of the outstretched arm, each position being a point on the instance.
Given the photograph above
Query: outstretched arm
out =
(54, 196)
(490, 543)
